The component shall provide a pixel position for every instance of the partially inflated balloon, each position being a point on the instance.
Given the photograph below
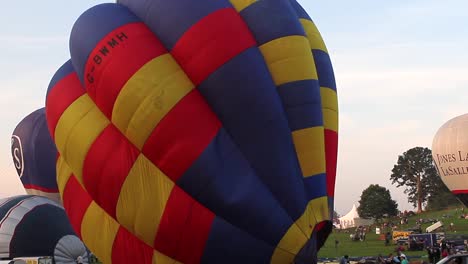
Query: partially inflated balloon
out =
(450, 154)
(34, 155)
(197, 132)
(34, 226)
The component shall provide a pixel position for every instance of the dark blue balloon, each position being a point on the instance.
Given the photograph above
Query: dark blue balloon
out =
(32, 226)
(34, 155)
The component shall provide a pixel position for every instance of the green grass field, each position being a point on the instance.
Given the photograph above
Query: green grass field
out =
(372, 246)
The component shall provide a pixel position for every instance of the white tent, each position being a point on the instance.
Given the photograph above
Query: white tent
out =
(352, 219)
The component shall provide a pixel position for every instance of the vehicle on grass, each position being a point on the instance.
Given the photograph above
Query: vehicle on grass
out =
(454, 259)
(434, 227)
(418, 242)
(458, 242)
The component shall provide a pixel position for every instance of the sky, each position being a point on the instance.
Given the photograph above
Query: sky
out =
(401, 70)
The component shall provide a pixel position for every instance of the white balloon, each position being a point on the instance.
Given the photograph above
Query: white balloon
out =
(450, 154)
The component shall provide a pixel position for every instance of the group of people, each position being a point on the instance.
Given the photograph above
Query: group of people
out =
(359, 234)
(399, 258)
(438, 252)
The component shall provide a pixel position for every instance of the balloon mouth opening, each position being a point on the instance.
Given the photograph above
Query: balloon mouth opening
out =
(308, 253)
(323, 231)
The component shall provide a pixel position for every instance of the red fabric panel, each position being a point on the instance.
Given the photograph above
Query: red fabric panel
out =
(320, 225)
(110, 66)
(184, 228)
(61, 96)
(459, 191)
(106, 167)
(76, 202)
(212, 42)
(195, 235)
(129, 249)
(331, 153)
(182, 135)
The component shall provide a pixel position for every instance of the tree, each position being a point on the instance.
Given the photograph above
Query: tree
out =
(376, 202)
(416, 172)
(441, 197)
(335, 215)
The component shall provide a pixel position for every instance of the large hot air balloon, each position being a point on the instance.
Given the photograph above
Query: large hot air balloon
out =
(450, 154)
(34, 155)
(197, 132)
(34, 226)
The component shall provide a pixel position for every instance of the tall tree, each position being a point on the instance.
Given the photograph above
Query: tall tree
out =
(376, 202)
(416, 172)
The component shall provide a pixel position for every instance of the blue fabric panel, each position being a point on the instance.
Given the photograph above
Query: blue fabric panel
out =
(223, 181)
(244, 97)
(301, 13)
(324, 69)
(31, 140)
(316, 186)
(39, 231)
(88, 30)
(271, 19)
(169, 20)
(12, 201)
(302, 103)
(308, 253)
(62, 72)
(227, 244)
(303, 116)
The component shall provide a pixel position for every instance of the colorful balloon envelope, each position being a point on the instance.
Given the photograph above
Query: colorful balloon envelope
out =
(450, 154)
(34, 156)
(197, 132)
(34, 226)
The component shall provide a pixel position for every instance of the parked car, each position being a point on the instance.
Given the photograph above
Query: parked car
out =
(455, 259)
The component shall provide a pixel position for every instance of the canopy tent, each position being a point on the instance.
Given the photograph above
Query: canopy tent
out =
(352, 219)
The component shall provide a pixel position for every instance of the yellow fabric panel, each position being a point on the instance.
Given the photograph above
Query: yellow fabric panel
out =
(143, 198)
(77, 129)
(292, 242)
(330, 119)
(298, 234)
(99, 231)
(320, 208)
(63, 174)
(240, 5)
(313, 34)
(310, 149)
(159, 258)
(330, 108)
(316, 212)
(148, 96)
(309, 218)
(71, 116)
(289, 59)
(281, 256)
(306, 222)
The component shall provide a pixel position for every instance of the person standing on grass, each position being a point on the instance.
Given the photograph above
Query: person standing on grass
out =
(404, 260)
(344, 260)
